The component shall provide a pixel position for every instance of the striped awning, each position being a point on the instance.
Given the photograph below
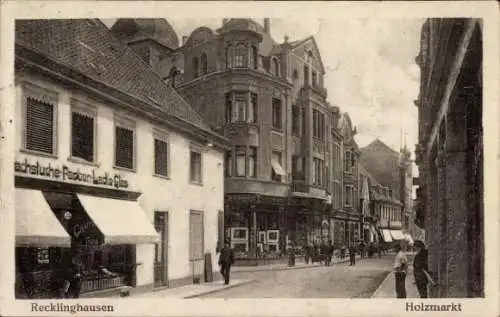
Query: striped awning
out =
(386, 235)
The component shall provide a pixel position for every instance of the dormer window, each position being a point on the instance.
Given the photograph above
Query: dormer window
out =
(237, 56)
(275, 67)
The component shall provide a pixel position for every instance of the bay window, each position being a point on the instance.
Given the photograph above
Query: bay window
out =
(241, 107)
(240, 161)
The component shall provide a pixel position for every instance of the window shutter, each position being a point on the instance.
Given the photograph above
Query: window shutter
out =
(39, 126)
(124, 147)
(161, 158)
(82, 136)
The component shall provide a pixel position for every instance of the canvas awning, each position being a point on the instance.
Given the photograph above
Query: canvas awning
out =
(36, 224)
(386, 235)
(408, 238)
(120, 221)
(277, 167)
(397, 235)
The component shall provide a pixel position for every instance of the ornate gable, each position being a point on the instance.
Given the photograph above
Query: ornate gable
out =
(309, 48)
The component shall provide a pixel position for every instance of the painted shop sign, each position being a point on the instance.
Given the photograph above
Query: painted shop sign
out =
(65, 173)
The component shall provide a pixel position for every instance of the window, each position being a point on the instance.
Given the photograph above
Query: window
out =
(276, 170)
(240, 161)
(204, 64)
(124, 146)
(306, 75)
(220, 231)
(303, 117)
(196, 232)
(236, 56)
(195, 167)
(318, 124)
(317, 172)
(252, 161)
(229, 164)
(298, 168)
(161, 156)
(275, 67)
(254, 60)
(195, 65)
(314, 79)
(295, 74)
(40, 126)
(347, 161)
(295, 120)
(348, 196)
(240, 107)
(82, 134)
(276, 114)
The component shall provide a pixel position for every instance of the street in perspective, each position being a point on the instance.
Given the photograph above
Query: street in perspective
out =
(246, 158)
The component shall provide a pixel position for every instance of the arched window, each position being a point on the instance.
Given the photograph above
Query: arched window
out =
(195, 65)
(204, 64)
(275, 67)
(237, 56)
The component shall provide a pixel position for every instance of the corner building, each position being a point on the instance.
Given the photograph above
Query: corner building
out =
(450, 155)
(113, 169)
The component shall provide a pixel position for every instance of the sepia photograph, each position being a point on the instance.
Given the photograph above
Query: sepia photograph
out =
(172, 157)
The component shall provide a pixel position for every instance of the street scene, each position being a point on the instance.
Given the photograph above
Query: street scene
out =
(245, 158)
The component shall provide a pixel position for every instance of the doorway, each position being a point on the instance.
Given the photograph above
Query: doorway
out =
(161, 249)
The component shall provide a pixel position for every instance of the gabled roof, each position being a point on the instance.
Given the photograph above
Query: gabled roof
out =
(297, 44)
(88, 47)
(382, 162)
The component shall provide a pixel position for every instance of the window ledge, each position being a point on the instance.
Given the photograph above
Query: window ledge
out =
(77, 160)
(196, 183)
(166, 177)
(125, 169)
(277, 130)
(38, 153)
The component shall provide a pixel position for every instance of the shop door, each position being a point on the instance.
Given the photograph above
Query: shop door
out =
(161, 249)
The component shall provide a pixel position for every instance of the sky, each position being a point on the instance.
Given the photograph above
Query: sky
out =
(370, 69)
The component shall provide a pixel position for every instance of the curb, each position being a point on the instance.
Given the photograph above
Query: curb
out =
(219, 290)
(291, 267)
(387, 277)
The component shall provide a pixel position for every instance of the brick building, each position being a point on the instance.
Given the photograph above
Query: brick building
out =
(450, 154)
(268, 98)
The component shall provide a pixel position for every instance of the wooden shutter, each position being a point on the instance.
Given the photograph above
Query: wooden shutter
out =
(161, 157)
(82, 136)
(124, 147)
(196, 239)
(39, 126)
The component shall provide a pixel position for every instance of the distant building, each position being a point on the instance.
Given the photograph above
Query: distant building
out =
(450, 154)
(113, 169)
(269, 99)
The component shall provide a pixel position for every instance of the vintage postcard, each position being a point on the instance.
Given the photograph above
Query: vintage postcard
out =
(246, 158)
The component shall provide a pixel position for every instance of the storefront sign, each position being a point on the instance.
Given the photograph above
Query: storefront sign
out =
(65, 173)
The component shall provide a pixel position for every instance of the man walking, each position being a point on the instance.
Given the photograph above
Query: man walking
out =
(329, 253)
(226, 259)
(400, 269)
(420, 268)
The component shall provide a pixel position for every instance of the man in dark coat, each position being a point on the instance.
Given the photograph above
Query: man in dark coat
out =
(226, 259)
(420, 266)
(328, 253)
(352, 255)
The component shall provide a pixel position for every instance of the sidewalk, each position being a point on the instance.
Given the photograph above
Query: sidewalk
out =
(194, 290)
(284, 266)
(388, 289)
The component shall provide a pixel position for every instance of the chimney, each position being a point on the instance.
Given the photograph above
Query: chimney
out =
(267, 25)
(224, 21)
(286, 38)
(184, 40)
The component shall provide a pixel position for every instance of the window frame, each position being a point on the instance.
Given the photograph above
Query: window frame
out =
(241, 151)
(125, 123)
(43, 95)
(199, 151)
(279, 117)
(204, 63)
(252, 152)
(161, 136)
(82, 108)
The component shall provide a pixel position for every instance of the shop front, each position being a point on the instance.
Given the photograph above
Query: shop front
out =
(65, 219)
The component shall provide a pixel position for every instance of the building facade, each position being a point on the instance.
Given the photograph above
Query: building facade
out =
(95, 175)
(450, 154)
(268, 98)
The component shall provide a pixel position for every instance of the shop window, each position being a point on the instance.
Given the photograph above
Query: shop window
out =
(229, 164)
(240, 161)
(196, 232)
(252, 161)
(83, 134)
(195, 167)
(276, 114)
(161, 156)
(295, 120)
(195, 65)
(204, 64)
(40, 126)
(124, 146)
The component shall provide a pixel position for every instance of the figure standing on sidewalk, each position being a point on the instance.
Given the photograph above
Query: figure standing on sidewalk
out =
(420, 267)
(352, 255)
(329, 253)
(226, 259)
(400, 269)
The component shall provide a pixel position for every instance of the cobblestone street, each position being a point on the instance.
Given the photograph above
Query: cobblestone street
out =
(338, 281)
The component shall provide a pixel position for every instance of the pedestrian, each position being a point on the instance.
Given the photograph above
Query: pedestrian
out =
(226, 259)
(328, 253)
(400, 269)
(72, 284)
(379, 251)
(362, 249)
(420, 268)
(352, 255)
(323, 251)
